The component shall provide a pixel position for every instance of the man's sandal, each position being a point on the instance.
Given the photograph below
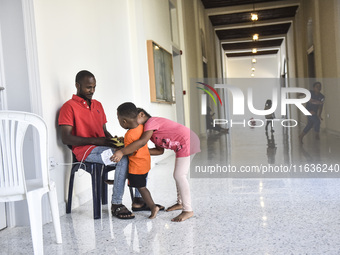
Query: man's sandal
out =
(121, 212)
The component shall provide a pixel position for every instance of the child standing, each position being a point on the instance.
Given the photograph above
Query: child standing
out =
(314, 106)
(139, 159)
(167, 134)
(269, 117)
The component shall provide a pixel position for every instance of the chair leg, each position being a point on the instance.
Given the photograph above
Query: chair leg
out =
(96, 190)
(131, 193)
(70, 190)
(104, 188)
(35, 215)
(52, 195)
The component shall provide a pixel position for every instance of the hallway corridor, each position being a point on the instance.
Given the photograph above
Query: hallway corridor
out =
(232, 215)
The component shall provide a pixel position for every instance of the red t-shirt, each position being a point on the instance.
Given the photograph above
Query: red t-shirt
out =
(86, 122)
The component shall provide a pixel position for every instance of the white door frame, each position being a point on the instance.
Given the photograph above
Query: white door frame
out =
(3, 106)
(3, 217)
(3, 99)
(33, 81)
(32, 56)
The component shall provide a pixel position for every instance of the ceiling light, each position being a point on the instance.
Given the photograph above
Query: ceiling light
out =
(253, 69)
(252, 75)
(255, 37)
(254, 16)
(254, 50)
(253, 60)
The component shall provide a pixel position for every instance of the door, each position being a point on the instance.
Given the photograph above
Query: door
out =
(178, 86)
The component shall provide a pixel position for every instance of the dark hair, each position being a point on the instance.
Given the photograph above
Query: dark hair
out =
(127, 110)
(82, 74)
(142, 110)
(269, 102)
(316, 83)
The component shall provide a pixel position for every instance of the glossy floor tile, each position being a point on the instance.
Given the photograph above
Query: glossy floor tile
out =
(276, 214)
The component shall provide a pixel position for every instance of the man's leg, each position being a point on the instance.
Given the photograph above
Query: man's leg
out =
(119, 183)
(120, 173)
(95, 155)
(317, 124)
(308, 127)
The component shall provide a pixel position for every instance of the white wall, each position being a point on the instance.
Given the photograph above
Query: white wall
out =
(265, 79)
(197, 31)
(156, 25)
(266, 67)
(108, 38)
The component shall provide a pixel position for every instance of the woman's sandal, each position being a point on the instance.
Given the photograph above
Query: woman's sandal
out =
(121, 212)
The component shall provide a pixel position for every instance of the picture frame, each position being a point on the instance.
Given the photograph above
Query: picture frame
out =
(160, 74)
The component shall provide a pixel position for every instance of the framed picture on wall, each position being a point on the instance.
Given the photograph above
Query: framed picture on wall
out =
(160, 74)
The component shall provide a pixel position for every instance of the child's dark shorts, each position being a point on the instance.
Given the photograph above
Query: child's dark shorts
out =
(137, 180)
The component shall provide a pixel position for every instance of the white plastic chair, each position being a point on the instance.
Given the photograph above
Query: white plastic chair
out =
(13, 185)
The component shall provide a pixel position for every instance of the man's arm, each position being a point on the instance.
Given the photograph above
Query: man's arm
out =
(320, 111)
(69, 139)
(107, 133)
(315, 101)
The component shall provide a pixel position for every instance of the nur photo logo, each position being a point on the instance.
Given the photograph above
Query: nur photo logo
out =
(204, 97)
(282, 98)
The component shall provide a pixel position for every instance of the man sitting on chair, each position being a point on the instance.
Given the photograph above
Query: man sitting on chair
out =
(83, 125)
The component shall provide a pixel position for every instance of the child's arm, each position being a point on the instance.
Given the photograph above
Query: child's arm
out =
(156, 151)
(132, 147)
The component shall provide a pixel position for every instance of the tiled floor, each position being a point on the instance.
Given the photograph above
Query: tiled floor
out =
(269, 214)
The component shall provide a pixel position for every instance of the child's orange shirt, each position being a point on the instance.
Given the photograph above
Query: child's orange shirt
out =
(139, 161)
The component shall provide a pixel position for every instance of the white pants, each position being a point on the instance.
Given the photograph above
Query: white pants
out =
(182, 166)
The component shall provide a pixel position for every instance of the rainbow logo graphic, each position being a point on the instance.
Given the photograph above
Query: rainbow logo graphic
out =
(209, 93)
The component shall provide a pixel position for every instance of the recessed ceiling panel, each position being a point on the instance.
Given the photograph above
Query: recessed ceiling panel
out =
(244, 17)
(247, 54)
(225, 3)
(251, 45)
(247, 33)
